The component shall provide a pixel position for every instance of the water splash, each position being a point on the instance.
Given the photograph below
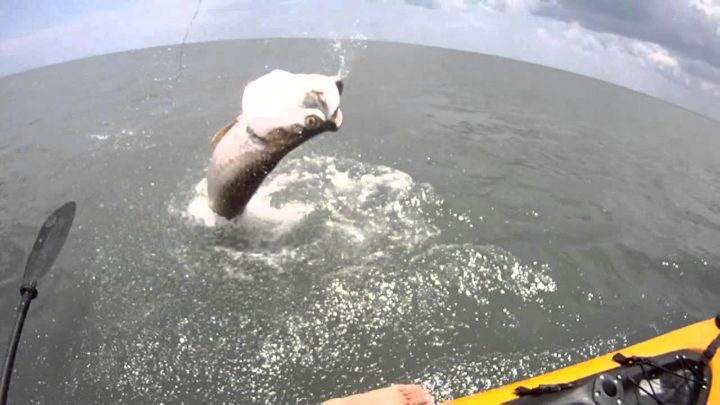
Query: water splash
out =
(344, 51)
(336, 278)
(355, 200)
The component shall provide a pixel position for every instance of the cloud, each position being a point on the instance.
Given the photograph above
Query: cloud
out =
(678, 39)
(636, 64)
(662, 59)
(688, 29)
(708, 7)
(591, 44)
(431, 4)
(710, 87)
(496, 5)
(613, 52)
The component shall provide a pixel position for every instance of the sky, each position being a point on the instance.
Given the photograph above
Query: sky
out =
(669, 49)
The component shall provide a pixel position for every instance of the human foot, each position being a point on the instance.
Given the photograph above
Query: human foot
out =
(400, 394)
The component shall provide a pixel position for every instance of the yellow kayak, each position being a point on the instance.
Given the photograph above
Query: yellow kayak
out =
(674, 368)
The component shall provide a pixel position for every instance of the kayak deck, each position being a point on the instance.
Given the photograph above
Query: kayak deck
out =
(693, 339)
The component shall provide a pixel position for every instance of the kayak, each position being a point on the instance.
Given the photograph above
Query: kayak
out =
(677, 367)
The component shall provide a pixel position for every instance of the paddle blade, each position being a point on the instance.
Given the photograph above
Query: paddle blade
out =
(50, 240)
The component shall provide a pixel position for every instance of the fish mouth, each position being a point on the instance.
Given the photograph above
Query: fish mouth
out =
(335, 121)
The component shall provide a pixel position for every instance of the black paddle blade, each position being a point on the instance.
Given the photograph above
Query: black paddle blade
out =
(50, 240)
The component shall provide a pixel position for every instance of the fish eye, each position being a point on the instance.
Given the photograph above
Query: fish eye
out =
(312, 122)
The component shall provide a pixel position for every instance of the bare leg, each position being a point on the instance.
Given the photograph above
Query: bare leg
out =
(402, 394)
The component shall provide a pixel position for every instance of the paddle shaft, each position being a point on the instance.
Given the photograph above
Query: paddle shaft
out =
(27, 297)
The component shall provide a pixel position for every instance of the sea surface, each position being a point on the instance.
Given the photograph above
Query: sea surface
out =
(476, 220)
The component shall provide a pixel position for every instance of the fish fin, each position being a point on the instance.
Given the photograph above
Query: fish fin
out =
(221, 133)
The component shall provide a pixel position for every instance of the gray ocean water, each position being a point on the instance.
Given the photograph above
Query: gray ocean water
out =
(476, 220)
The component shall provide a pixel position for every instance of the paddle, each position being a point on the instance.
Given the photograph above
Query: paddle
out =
(50, 240)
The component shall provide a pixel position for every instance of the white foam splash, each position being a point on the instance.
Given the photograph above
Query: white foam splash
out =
(259, 210)
(341, 187)
(199, 208)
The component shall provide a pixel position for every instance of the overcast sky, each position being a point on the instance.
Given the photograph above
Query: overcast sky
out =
(666, 48)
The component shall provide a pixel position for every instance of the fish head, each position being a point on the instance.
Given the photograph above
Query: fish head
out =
(286, 109)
